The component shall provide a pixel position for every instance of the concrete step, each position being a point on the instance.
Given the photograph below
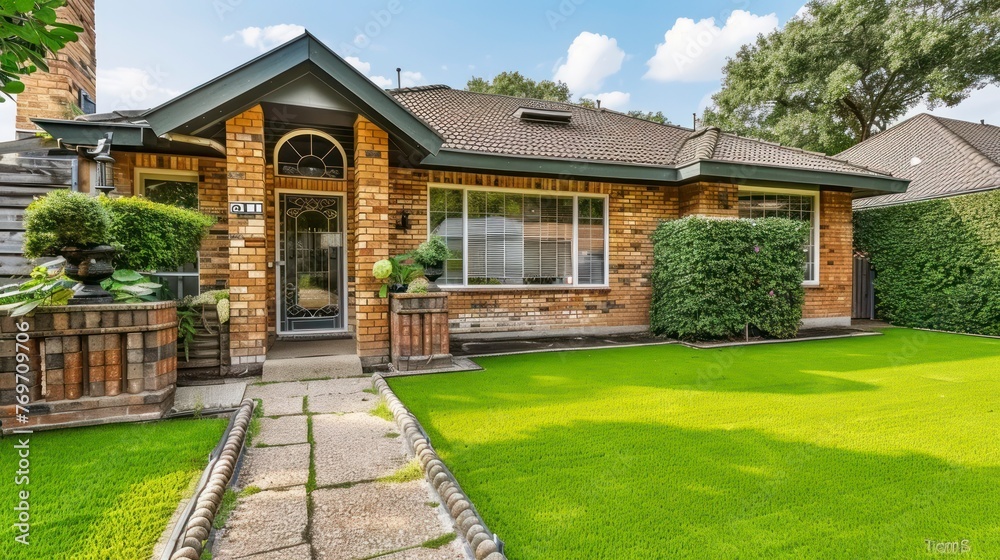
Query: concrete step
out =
(298, 369)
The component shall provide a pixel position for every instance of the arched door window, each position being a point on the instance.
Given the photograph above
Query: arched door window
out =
(310, 153)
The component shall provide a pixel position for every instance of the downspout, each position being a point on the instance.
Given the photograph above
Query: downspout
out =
(194, 140)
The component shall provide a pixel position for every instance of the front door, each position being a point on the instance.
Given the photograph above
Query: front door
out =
(312, 286)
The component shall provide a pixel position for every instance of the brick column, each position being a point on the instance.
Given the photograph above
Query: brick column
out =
(247, 242)
(713, 200)
(830, 302)
(371, 239)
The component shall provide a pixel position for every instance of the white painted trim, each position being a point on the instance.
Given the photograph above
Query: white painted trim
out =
(575, 265)
(140, 174)
(818, 209)
(277, 258)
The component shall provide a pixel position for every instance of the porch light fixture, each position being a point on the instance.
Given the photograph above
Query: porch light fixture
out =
(403, 222)
(105, 183)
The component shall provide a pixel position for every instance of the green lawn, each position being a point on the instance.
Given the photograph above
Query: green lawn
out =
(103, 493)
(852, 448)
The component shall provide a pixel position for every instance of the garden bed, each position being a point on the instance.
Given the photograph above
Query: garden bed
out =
(860, 447)
(106, 492)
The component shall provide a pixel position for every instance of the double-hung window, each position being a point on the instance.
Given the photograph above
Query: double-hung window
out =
(518, 238)
(795, 205)
(179, 189)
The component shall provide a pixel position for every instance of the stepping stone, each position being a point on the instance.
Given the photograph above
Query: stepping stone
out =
(450, 551)
(276, 467)
(263, 522)
(282, 431)
(354, 402)
(297, 369)
(339, 386)
(301, 552)
(282, 406)
(272, 390)
(370, 519)
(353, 448)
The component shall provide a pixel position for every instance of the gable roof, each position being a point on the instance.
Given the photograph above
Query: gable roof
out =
(951, 157)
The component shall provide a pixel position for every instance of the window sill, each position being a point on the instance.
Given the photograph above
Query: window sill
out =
(529, 288)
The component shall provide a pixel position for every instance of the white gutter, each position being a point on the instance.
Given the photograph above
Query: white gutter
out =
(195, 140)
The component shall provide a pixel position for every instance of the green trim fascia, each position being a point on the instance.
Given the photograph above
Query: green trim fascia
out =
(546, 167)
(90, 133)
(742, 172)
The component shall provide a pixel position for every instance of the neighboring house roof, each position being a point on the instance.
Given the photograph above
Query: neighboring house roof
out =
(460, 130)
(942, 157)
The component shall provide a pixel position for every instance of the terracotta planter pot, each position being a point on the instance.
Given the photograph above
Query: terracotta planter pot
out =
(89, 266)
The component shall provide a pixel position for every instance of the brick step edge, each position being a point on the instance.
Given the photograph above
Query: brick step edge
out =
(458, 504)
(188, 541)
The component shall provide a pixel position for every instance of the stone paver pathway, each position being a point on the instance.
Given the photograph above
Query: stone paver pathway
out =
(310, 484)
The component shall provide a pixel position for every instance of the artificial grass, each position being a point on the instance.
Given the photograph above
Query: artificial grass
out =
(106, 492)
(853, 448)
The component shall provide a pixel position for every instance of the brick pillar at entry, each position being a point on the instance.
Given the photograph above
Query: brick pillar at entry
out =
(371, 239)
(247, 241)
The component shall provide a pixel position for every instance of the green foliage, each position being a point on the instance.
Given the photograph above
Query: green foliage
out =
(46, 287)
(937, 263)
(190, 314)
(439, 541)
(850, 68)
(826, 449)
(187, 328)
(431, 253)
(106, 492)
(407, 473)
(402, 273)
(155, 236)
(382, 411)
(418, 286)
(517, 85)
(128, 286)
(29, 33)
(657, 117)
(61, 219)
(711, 278)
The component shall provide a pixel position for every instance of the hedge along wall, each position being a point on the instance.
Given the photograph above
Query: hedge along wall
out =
(712, 277)
(937, 263)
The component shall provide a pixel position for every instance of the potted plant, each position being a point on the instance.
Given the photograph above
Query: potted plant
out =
(395, 275)
(75, 226)
(432, 255)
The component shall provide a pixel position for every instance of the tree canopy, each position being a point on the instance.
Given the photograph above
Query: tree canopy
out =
(28, 33)
(847, 69)
(517, 85)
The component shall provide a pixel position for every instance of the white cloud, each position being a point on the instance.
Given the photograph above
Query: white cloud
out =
(590, 60)
(362, 66)
(408, 79)
(132, 88)
(268, 37)
(981, 105)
(8, 109)
(615, 100)
(382, 81)
(696, 51)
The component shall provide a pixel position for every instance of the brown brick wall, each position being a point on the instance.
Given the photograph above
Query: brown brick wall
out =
(717, 200)
(248, 269)
(55, 94)
(371, 238)
(832, 298)
(634, 213)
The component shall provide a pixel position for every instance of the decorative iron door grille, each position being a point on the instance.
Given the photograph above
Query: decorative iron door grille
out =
(311, 286)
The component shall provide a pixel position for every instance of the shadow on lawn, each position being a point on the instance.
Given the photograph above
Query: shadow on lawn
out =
(631, 490)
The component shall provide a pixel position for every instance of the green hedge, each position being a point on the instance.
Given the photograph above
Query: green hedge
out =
(155, 236)
(711, 278)
(937, 263)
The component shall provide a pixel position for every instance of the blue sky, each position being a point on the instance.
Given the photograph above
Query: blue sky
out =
(663, 56)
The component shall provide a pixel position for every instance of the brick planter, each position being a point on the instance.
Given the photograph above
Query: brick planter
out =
(92, 364)
(419, 331)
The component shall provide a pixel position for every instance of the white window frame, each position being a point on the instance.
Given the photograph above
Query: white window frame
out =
(817, 209)
(144, 173)
(576, 236)
(306, 132)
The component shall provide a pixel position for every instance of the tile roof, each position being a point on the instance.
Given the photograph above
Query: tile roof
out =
(487, 123)
(942, 157)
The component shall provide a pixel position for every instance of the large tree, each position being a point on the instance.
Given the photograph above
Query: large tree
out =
(517, 85)
(29, 33)
(847, 69)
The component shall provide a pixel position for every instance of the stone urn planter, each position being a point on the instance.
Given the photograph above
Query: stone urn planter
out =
(432, 273)
(89, 266)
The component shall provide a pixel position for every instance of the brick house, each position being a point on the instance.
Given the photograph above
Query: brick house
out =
(548, 206)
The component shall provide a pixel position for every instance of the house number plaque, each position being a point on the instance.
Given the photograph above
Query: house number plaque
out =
(246, 208)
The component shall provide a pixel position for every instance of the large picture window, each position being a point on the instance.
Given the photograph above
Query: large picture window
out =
(803, 206)
(513, 238)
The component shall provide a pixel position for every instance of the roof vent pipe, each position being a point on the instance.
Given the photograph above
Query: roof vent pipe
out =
(598, 104)
(399, 78)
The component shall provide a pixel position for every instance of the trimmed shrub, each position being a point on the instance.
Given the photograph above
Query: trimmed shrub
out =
(711, 278)
(63, 218)
(155, 236)
(937, 263)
